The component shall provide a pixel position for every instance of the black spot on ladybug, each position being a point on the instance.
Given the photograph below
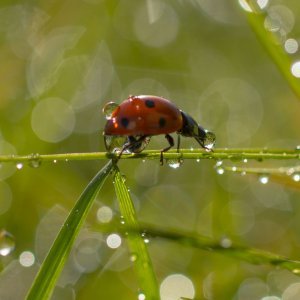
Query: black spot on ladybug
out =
(162, 122)
(124, 122)
(149, 103)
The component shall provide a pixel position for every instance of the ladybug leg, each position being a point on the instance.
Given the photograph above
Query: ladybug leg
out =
(171, 144)
(134, 144)
(178, 143)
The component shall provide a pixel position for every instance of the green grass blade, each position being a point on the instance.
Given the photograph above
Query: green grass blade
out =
(53, 264)
(140, 256)
(282, 60)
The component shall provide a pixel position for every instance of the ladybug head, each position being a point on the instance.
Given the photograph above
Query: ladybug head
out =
(190, 128)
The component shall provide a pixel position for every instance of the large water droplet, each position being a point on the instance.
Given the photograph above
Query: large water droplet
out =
(7, 243)
(114, 143)
(108, 109)
(34, 160)
(209, 140)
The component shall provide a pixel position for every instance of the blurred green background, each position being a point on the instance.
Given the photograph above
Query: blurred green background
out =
(61, 61)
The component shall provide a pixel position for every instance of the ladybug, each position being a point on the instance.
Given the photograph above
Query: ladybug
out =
(139, 117)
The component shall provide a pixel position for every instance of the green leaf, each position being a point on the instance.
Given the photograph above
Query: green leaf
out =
(53, 264)
(139, 253)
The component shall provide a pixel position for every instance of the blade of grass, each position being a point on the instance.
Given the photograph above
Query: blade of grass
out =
(139, 253)
(53, 264)
(269, 41)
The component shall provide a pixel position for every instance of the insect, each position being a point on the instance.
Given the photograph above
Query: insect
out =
(139, 117)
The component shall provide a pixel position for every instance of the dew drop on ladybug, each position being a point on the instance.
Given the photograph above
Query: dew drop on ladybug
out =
(138, 118)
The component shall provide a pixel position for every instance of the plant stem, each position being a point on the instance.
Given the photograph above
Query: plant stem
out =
(221, 153)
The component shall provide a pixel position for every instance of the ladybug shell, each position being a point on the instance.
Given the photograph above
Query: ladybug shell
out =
(144, 115)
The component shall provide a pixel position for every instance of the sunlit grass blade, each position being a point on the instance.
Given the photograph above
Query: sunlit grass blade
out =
(282, 60)
(53, 264)
(227, 248)
(139, 253)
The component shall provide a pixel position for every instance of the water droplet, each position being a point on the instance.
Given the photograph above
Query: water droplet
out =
(296, 177)
(122, 221)
(220, 170)
(234, 168)
(264, 179)
(145, 237)
(34, 160)
(133, 257)
(108, 109)
(298, 147)
(19, 166)
(7, 243)
(245, 160)
(175, 164)
(114, 143)
(55, 161)
(209, 140)
(198, 160)
(219, 163)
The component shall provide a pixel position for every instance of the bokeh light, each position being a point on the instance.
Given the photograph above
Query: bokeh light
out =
(295, 69)
(113, 241)
(177, 286)
(26, 259)
(52, 120)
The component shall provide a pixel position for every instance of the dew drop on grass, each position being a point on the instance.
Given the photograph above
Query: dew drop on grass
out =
(7, 243)
(145, 238)
(55, 161)
(108, 109)
(263, 179)
(210, 139)
(220, 170)
(298, 147)
(34, 160)
(174, 164)
(19, 166)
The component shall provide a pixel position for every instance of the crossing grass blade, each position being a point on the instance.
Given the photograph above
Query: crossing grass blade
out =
(139, 252)
(53, 264)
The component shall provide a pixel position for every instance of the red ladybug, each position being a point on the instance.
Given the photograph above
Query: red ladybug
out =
(140, 117)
